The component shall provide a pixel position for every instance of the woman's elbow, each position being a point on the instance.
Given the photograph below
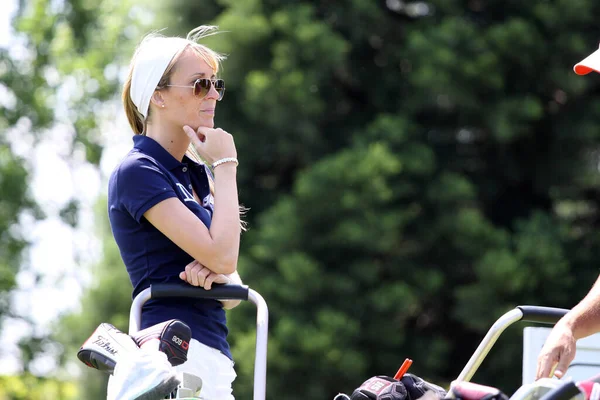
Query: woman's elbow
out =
(228, 268)
(225, 266)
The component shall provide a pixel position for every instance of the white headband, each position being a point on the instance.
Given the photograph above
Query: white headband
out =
(150, 62)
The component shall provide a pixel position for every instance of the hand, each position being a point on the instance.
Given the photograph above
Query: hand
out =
(211, 144)
(197, 274)
(559, 351)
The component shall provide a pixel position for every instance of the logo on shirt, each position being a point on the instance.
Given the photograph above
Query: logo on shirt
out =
(187, 196)
(209, 200)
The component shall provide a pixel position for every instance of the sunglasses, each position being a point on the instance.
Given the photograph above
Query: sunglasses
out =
(202, 87)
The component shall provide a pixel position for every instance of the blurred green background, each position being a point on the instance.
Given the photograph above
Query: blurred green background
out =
(413, 170)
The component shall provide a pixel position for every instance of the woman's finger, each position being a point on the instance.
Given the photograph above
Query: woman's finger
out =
(192, 273)
(183, 275)
(204, 131)
(197, 138)
(208, 281)
(202, 274)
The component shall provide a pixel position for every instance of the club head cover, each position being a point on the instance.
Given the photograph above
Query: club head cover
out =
(475, 391)
(380, 388)
(144, 375)
(103, 349)
(590, 389)
(417, 387)
(174, 339)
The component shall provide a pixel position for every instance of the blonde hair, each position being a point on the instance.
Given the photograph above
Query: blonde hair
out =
(212, 58)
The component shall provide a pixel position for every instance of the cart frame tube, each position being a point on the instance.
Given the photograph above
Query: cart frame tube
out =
(262, 322)
(544, 315)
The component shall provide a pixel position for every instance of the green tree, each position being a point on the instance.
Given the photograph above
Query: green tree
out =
(410, 180)
(29, 387)
(426, 176)
(107, 299)
(62, 68)
(17, 207)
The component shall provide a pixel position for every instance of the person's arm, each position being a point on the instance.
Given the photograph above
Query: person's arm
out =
(559, 349)
(216, 248)
(234, 278)
(584, 319)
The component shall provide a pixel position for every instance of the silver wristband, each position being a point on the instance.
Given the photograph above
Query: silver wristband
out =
(223, 161)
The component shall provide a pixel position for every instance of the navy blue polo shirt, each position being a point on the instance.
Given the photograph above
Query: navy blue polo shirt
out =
(146, 176)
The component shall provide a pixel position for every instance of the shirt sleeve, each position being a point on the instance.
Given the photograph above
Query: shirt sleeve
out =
(141, 185)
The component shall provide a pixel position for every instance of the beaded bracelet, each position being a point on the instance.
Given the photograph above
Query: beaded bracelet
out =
(223, 161)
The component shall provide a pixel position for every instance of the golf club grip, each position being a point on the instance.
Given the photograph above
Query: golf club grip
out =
(565, 391)
(217, 292)
(545, 315)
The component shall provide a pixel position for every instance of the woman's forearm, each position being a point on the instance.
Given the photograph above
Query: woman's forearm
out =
(225, 227)
(234, 279)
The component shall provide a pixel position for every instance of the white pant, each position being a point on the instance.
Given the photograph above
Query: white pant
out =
(213, 367)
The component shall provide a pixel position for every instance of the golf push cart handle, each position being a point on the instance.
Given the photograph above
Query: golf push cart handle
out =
(218, 292)
(544, 315)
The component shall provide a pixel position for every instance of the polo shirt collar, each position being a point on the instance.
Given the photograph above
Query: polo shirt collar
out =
(152, 148)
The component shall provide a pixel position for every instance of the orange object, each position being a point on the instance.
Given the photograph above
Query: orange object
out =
(403, 368)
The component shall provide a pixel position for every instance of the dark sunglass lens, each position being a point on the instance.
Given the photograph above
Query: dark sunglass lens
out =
(219, 84)
(220, 88)
(201, 87)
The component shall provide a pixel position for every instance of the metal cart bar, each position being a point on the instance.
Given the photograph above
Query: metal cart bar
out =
(218, 292)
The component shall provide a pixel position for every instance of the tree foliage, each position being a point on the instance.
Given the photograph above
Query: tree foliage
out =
(62, 66)
(452, 176)
(29, 387)
(107, 300)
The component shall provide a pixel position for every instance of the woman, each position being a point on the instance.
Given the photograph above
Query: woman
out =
(172, 219)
